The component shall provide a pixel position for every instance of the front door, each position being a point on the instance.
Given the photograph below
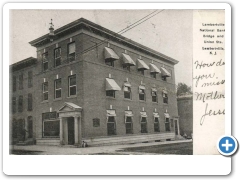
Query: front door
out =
(176, 127)
(71, 131)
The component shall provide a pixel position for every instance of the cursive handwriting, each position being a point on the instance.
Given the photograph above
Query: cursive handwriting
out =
(210, 113)
(209, 96)
(201, 77)
(200, 65)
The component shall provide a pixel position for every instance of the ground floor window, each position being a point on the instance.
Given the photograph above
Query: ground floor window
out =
(51, 128)
(156, 125)
(144, 125)
(129, 125)
(30, 127)
(14, 128)
(167, 124)
(111, 126)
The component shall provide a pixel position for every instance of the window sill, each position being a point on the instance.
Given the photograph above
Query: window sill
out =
(142, 101)
(165, 104)
(154, 102)
(71, 97)
(57, 99)
(45, 101)
(126, 99)
(109, 97)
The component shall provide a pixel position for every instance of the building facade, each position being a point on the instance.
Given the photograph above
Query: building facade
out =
(91, 84)
(185, 111)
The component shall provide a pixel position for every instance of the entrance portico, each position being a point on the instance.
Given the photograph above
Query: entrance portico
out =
(70, 124)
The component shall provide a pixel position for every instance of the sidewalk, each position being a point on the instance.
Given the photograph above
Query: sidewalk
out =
(72, 150)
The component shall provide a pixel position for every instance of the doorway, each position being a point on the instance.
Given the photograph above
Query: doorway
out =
(70, 122)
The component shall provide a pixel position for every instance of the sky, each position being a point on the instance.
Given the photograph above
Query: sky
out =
(169, 32)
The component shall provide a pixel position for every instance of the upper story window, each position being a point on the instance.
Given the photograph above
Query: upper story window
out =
(165, 73)
(57, 56)
(20, 104)
(142, 93)
(58, 88)
(153, 75)
(20, 81)
(154, 96)
(127, 92)
(111, 87)
(127, 62)
(165, 97)
(110, 56)
(29, 102)
(14, 83)
(30, 77)
(72, 85)
(45, 91)
(164, 78)
(154, 70)
(71, 52)
(142, 66)
(45, 61)
(14, 104)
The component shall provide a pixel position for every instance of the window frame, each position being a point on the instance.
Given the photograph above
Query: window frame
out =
(14, 105)
(156, 123)
(69, 87)
(30, 102)
(14, 84)
(165, 98)
(164, 78)
(141, 71)
(59, 89)
(109, 63)
(45, 61)
(131, 123)
(127, 92)
(45, 92)
(96, 122)
(57, 58)
(156, 96)
(144, 95)
(70, 56)
(111, 93)
(167, 125)
(30, 79)
(20, 103)
(114, 130)
(145, 124)
(50, 119)
(126, 67)
(20, 85)
(153, 75)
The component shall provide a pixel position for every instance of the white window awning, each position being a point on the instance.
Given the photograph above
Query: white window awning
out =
(143, 114)
(166, 115)
(127, 84)
(155, 115)
(111, 112)
(111, 85)
(127, 60)
(165, 72)
(142, 87)
(154, 89)
(109, 54)
(154, 68)
(128, 113)
(142, 65)
(164, 91)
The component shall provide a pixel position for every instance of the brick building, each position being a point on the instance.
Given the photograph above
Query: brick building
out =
(89, 83)
(185, 111)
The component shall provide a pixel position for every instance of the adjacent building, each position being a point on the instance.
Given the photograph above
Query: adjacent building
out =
(91, 84)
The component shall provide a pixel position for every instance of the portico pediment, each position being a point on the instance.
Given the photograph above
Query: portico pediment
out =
(70, 107)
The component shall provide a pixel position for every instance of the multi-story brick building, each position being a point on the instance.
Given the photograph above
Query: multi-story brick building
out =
(89, 83)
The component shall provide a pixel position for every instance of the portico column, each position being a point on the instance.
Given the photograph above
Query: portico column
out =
(178, 126)
(76, 130)
(61, 130)
(79, 131)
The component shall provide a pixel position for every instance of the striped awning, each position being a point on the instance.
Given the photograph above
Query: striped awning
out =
(109, 54)
(111, 85)
(165, 72)
(142, 65)
(154, 68)
(142, 87)
(155, 115)
(143, 114)
(127, 60)
(128, 113)
(111, 112)
(166, 115)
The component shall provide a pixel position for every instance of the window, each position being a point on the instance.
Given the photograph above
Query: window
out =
(72, 90)
(58, 88)
(154, 96)
(20, 81)
(129, 126)
(71, 52)
(142, 94)
(156, 125)
(141, 71)
(14, 128)
(110, 94)
(45, 61)
(96, 122)
(14, 83)
(126, 67)
(14, 104)
(167, 124)
(109, 63)
(164, 78)
(57, 56)
(51, 125)
(127, 92)
(20, 104)
(30, 126)
(165, 98)
(29, 102)
(45, 91)
(111, 126)
(144, 125)
(30, 77)
(153, 75)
